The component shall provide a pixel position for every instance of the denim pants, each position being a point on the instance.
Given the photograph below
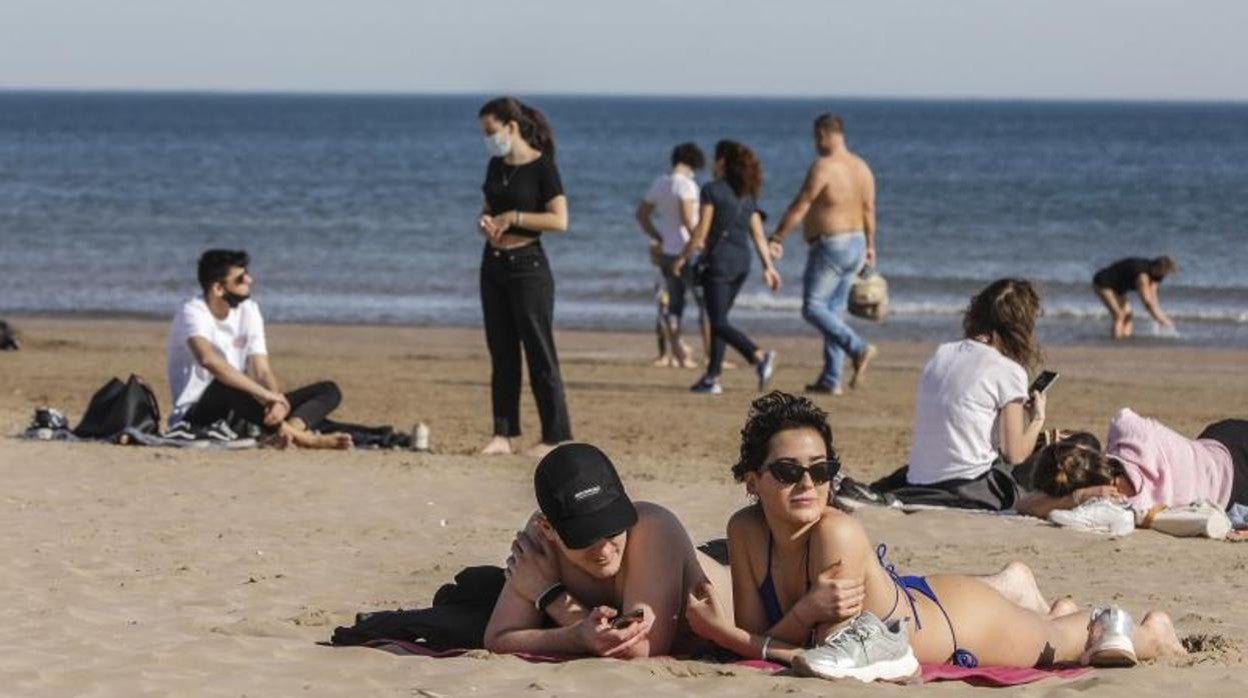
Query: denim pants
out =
(518, 302)
(831, 265)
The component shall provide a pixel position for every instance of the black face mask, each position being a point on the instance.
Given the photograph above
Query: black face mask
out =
(234, 300)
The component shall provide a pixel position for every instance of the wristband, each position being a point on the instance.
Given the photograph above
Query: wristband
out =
(548, 597)
(766, 643)
(519, 219)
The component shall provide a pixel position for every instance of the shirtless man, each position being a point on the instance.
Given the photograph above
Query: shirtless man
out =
(837, 209)
(594, 574)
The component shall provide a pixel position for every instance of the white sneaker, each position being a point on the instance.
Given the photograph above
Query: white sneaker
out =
(1099, 515)
(1109, 639)
(866, 649)
(1203, 518)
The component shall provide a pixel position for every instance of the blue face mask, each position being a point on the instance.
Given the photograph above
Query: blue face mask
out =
(498, 144)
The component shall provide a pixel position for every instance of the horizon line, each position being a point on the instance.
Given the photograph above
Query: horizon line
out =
(245, 92)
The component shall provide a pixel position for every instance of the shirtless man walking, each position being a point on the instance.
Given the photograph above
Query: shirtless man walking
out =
(837, 209)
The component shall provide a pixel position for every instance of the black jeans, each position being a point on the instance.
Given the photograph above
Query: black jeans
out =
(1233, 434)
(719, 289)
(311, 403)
(518, 302)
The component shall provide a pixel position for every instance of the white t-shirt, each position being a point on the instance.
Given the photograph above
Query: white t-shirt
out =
(238, 336)
(961, 392)
(666, 195)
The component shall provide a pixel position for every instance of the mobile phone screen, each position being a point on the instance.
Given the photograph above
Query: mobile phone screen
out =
(625, 619)
(1042, 382)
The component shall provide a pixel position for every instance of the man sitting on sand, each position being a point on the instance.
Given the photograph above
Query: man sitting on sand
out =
(595, 574)
(218, 364)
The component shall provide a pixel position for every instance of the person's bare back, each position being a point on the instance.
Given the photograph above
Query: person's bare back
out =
(842, 201)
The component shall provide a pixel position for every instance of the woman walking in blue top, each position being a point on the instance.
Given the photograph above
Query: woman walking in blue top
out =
(729, 224)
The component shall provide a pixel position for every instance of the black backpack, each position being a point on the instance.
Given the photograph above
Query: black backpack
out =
(118, 406)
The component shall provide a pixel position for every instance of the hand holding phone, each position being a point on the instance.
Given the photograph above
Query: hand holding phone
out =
(1042, 382)
(624, 620)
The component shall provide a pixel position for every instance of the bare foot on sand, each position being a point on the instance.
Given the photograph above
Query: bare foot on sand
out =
(860, 364)
(1156, 637)
(1064, 607)
(539, 450)
(311, 439)
(280, 440)
(1016, 583)
(498, 446)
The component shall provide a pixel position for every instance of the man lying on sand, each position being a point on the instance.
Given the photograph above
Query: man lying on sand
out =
(218, 364)
(594, 573)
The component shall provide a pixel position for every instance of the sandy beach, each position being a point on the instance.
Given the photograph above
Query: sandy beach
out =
(147, 571)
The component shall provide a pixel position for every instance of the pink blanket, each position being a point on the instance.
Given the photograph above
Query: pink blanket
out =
(993, 676)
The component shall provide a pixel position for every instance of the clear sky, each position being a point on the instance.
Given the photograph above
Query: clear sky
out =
(1098, 49)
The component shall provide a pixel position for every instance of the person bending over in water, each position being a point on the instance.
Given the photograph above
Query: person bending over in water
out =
(218, 363)
(1114, 282)
(594, 573)
(780, 547)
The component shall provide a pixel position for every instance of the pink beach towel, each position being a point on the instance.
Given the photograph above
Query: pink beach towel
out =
(995, 676)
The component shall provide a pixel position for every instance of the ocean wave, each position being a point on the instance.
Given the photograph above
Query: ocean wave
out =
(767, 302)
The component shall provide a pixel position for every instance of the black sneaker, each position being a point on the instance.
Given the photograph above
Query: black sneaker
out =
(856, 491)
(49, 418)
(182, 432)
(220, 431)
(823, 389)
(765, 369)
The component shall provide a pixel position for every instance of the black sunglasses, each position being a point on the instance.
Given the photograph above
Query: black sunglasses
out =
(239, 279)
(788, 472)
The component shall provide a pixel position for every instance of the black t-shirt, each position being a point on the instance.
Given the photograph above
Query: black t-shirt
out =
(525, 188)
(1124, 275)
(729, 238)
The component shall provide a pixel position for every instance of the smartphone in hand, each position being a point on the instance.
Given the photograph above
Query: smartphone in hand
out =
(626, 619)
(1042, 382)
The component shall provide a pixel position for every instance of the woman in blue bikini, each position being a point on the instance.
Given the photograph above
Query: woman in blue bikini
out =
(790, 546)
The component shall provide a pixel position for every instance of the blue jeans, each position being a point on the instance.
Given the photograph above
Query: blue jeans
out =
(831, 265)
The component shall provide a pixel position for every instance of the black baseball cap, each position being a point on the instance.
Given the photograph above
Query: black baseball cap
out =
(581, 495)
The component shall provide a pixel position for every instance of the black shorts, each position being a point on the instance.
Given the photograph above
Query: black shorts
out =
(1233, 433)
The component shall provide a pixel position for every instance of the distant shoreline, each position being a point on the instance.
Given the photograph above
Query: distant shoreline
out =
(622, 96)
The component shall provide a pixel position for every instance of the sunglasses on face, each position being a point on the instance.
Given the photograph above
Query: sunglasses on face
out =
(788, 472)
(238, 279)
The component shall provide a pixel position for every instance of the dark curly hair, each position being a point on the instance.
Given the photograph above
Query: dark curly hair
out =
(771, 414)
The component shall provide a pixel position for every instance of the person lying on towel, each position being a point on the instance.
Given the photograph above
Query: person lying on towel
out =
(594, 573)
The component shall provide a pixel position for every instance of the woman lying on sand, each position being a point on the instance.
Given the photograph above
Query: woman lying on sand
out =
(1146, 463)
(781, 546)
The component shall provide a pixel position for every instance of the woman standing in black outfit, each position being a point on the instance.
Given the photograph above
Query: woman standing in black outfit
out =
(523, 198)
(729, 225)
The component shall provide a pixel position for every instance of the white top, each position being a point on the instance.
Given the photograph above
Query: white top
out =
(666, 195)
(238, 336)
(961, 392)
